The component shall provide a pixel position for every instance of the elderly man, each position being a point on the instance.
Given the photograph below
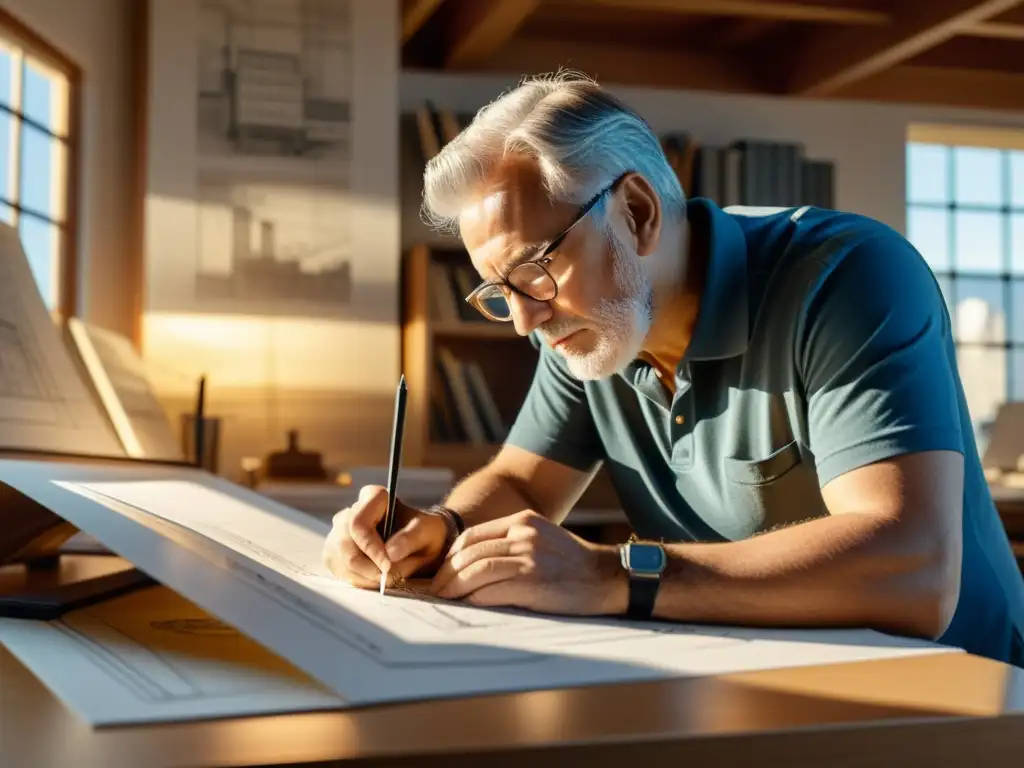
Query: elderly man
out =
(775, 394)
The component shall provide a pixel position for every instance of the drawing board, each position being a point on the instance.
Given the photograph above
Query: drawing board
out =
(255, 564)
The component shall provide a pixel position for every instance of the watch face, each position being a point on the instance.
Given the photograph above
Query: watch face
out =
(646, 558)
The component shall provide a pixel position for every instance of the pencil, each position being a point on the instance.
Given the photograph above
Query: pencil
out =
(199, 426)
(397, 432)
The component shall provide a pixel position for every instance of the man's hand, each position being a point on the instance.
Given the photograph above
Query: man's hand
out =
(525, 560)
(354, 551)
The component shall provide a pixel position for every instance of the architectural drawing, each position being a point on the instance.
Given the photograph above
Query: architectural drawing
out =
(153, 656)
(21, 374)
(373, 649)
(44, 402)
(121, 382)
(273, 153)
(407, 644)
(274, 77)
(273, 247)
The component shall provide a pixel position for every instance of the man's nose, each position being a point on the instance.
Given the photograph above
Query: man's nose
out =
(528, 313)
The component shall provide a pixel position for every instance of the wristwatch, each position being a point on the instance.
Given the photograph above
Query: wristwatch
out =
(644, 562)
(453, 522)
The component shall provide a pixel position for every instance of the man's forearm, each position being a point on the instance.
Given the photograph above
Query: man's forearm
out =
(487, 495)
(849, 569)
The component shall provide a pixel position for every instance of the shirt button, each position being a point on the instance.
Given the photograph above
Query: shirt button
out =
(679, 419)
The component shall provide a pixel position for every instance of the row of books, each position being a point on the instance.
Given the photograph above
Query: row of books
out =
(751, 172)
(435, 127)
(745, 172)
(449, 284)
(462, 408)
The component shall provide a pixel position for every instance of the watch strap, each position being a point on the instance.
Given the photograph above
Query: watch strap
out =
(456, 525)
(643, 591)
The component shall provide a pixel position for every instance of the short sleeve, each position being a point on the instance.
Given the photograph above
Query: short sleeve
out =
(555, 420)
(876, 360)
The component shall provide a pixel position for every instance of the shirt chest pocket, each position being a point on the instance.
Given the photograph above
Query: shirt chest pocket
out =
(779, 489)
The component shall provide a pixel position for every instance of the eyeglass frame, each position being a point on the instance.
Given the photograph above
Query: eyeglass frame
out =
(581, 214)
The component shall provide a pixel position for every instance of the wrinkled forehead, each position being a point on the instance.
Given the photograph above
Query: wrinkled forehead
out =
(507, 213)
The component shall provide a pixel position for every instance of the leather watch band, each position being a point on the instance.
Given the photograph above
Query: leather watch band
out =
(643, 590)
(452, 519)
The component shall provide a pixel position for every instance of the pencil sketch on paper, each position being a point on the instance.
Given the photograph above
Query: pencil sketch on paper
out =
(122, 384)
(44, 402)
(153, 656)
(278, 550)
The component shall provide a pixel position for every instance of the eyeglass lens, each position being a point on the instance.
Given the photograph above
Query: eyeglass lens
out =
(530, 279)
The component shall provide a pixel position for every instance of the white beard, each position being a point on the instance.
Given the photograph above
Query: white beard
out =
(621, 325)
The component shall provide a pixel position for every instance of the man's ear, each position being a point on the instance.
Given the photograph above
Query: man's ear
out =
(643, 211)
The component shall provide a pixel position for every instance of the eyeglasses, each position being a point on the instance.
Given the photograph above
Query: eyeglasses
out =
(531, 278)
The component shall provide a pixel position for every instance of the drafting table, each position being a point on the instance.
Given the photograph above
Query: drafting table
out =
(947, 709)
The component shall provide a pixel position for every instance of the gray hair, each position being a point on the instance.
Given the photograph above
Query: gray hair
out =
(581, 136)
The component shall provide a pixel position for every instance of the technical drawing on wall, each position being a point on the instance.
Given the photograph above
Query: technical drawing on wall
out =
(272, 248)
(274, 77)
(273, 156)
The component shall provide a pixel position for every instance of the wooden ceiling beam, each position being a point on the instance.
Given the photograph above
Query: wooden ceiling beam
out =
(826, 63)
(624, 65)
(477, 28)
(945, 86)
(996, 31)
(755, 9)
(415, 14)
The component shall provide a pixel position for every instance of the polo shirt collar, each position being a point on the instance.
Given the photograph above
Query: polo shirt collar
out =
(723, 324)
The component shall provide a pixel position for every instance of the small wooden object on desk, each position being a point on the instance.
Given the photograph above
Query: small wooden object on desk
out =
(294, 463)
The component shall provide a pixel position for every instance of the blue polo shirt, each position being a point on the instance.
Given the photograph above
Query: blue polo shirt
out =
(822, 344)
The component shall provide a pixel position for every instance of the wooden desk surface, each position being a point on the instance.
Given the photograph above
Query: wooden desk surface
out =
(951, 709)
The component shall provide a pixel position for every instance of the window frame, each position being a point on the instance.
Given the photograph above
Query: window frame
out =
(31, 42)
(1006, 141)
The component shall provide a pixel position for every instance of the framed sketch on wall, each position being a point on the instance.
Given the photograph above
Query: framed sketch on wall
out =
(271, 244)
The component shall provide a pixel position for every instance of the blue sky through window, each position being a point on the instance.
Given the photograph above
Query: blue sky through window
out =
(958, 200)
(37, 105)
(965, 214)
(34, 160)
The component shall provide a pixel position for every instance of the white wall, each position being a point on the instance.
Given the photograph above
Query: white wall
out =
(95, 34)
(325, 366)
(866, 140)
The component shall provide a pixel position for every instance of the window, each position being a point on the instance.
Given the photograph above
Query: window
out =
(35, 158)
(965, 213)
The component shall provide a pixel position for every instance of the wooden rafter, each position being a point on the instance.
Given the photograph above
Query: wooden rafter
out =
(769, 11)
(755, 9)
(829, 63)
(997, 31)
(625, 65)
(478, 28)
(940, 85)
(415, 14)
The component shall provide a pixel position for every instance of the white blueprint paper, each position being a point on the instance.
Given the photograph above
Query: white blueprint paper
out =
(372, 649)
(45, 403)
(255, 565)
(152, 656)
